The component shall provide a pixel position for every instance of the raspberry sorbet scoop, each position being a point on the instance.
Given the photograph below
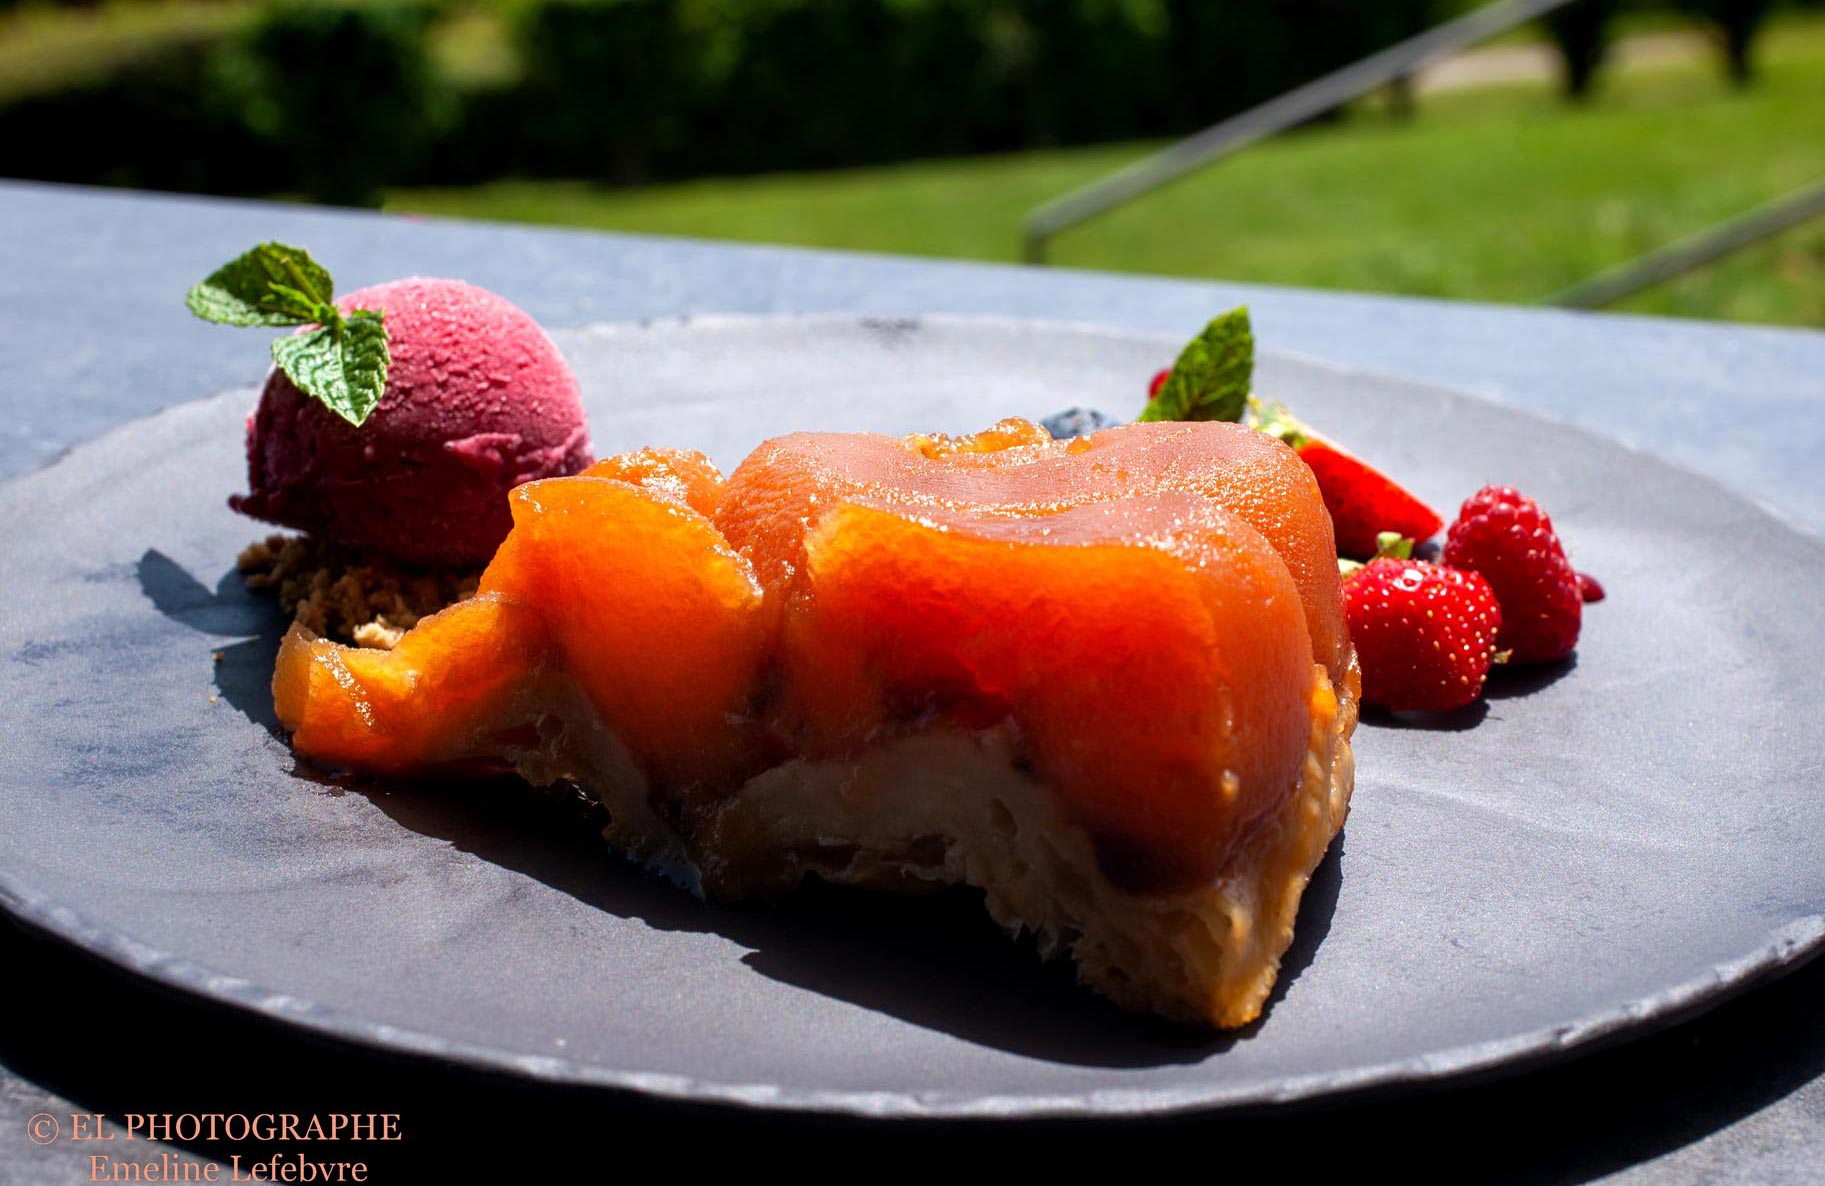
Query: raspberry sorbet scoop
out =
(478, 400)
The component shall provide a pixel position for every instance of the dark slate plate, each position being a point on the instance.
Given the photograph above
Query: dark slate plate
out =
(1606, 846)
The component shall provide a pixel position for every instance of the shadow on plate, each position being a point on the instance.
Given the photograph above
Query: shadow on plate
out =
(1455, 721)
(934, 960)
(1504, 683)
(243, 672)
(1512, 683)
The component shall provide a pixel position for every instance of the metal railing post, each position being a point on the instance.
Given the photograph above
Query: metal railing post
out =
(1044, 222)
(1694, 251)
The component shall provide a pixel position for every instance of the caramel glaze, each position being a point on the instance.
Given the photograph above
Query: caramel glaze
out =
(1152, 612)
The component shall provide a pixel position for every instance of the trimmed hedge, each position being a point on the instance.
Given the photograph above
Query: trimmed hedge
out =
(339, 100)
(168, 123)
(739, 85)
(609, 87)
(329, 101)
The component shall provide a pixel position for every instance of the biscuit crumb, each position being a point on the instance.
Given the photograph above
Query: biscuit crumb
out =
(336, 593)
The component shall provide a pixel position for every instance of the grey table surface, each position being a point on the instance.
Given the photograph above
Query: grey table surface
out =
(92, 334)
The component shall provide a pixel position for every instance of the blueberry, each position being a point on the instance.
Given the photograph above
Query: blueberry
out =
(1076, 422)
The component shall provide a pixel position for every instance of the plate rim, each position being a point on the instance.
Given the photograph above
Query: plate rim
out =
(1791, 947)
(1779, 951)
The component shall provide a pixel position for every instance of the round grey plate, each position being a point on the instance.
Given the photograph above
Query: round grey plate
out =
(1606, 845)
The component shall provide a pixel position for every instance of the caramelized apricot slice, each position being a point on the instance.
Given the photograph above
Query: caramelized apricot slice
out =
(657, 619)
(785, 487)
(437, 701)
(683, 476)
(1153, 651)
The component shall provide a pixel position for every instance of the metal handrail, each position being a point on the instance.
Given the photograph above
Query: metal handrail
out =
(1695, 251)
(1044, 222)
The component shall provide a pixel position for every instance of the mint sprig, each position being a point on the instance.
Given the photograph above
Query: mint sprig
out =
(1210, 380)
(342, 363)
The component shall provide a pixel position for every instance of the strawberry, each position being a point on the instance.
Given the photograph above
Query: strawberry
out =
(1159, 381)
(1589, 589)
(1363, 501)
(1505, 536)
(1424, 634)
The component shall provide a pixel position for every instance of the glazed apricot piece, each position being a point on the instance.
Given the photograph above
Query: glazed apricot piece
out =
(658, 621)
(620, 584)
(444, 700)
(1152, 651)
(683, 476)
(791, 481)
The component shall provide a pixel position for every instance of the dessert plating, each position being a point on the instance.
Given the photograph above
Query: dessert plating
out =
(1107, 681)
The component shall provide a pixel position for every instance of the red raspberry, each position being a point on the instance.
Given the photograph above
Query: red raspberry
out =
(1425, 635)
(1505, 536)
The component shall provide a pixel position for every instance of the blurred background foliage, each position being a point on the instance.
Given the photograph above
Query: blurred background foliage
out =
(601, 112)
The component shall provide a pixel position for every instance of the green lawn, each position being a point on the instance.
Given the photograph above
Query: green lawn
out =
(1502, 193)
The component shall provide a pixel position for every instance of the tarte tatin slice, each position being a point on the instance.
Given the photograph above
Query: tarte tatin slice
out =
(1107, 681)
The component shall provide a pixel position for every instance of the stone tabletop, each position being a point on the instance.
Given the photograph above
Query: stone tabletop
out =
(92, 334)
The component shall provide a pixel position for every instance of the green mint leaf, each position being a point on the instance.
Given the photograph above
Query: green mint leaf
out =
(344, 366)
(343, 362)
(313, 362)
(365, 359)
(273, 284)
(1210, 381)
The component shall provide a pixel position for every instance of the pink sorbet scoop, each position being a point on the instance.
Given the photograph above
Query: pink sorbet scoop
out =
(477, 401)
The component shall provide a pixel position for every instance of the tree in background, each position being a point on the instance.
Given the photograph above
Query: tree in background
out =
(1582, 33)
(1735, 24)
(1393, 21)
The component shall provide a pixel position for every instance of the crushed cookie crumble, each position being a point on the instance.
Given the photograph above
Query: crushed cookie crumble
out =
(352, 598)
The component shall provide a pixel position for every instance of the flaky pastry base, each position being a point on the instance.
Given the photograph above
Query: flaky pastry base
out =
(944, 806)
